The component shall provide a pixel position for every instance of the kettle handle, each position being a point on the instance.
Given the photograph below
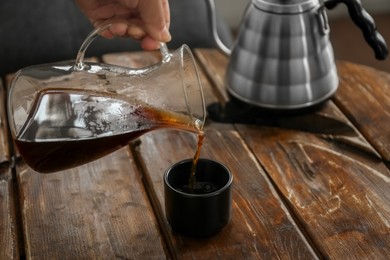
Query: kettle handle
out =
(366, 23)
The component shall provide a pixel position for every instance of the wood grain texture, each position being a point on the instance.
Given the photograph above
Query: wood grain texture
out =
(4, 147)
(364, 97)
(341, 200)
(9, 242)
(215, 74)
(305, 187)
(96, 211)
(340, 130)
(335, 184)
(261, 226)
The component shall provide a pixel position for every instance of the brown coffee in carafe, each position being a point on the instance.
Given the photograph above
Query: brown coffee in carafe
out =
(70, 127)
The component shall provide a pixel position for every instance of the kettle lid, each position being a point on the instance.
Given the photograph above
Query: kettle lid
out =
(285, 6)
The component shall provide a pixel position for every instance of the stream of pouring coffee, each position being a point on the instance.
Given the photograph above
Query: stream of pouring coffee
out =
(192, 179)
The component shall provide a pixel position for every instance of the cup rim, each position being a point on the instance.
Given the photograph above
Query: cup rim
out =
(191, 195)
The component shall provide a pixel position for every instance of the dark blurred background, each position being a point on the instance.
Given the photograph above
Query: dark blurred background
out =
(349, 44)
(40, 31)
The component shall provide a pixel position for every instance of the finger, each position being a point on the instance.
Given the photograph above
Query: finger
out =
(122, 27)
(136, 32)
(135, 29)
(149, 44)
(118, 28)
(153, 13)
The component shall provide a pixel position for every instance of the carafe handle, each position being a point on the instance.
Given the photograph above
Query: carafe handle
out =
(366, 23)
(80, 65)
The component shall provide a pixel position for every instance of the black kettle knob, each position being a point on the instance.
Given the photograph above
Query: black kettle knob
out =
(366, 23)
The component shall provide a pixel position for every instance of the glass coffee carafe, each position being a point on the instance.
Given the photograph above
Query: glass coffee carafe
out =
(62, 115)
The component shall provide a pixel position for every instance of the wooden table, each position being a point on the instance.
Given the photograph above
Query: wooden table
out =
(303, 189)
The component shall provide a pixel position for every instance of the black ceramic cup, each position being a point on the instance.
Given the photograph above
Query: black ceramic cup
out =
(199, 209)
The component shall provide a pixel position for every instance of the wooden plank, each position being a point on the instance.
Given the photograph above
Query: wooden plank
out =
(4, 147)
(99, 210)
(254, 230)
(364, 96)
(95, 211)
(328, 121)
(9, 242)
(261, 226)
(12, 149)
(335, 184)
(216, 74)
(341, 199)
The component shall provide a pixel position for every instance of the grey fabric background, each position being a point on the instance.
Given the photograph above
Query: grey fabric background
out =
(40, 31)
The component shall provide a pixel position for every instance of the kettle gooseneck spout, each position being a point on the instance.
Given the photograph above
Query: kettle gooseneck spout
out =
(214, 30)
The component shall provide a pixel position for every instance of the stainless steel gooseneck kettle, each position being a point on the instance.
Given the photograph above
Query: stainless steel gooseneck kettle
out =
(282, 58)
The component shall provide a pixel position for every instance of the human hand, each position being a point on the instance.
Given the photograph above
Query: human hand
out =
(144, 20)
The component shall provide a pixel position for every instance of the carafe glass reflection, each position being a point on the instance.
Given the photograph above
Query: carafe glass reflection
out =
(66, 114)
